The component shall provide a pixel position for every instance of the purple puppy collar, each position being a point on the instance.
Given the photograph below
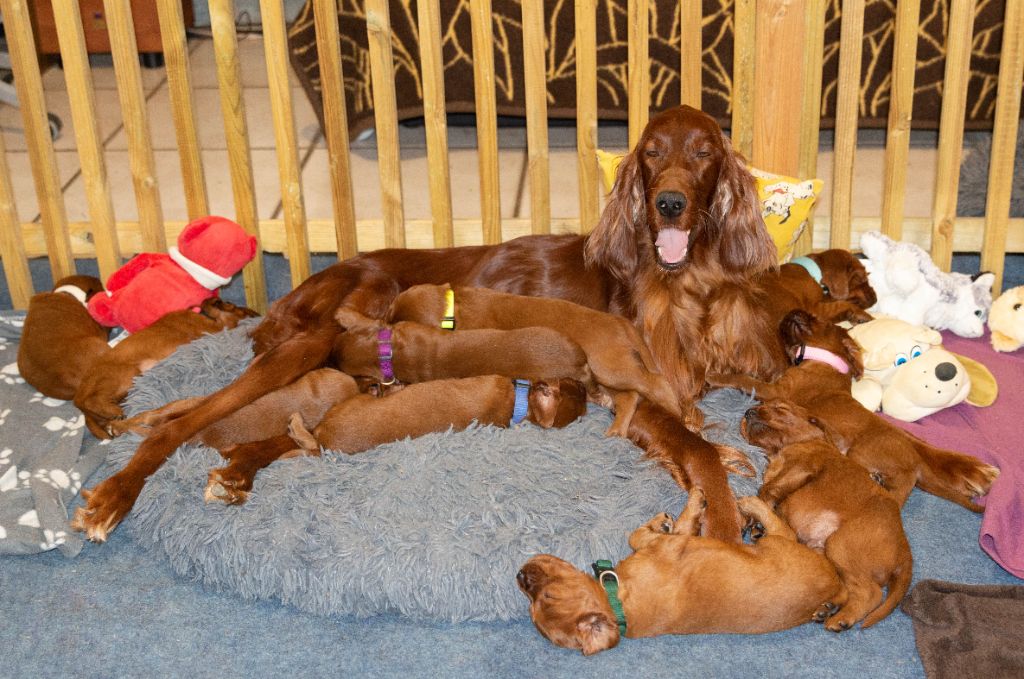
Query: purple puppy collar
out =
(384, 355)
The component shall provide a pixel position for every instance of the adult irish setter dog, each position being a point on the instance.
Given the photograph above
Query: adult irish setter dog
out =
(674, 251)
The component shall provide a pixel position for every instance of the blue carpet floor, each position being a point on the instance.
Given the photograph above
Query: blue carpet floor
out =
(118, 611)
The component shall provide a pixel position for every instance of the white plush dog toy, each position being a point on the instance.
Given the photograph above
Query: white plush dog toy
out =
(907, 373)
(910, 287)
(1006, 320)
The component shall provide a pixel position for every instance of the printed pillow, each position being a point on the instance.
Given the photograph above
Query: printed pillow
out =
(785, 201)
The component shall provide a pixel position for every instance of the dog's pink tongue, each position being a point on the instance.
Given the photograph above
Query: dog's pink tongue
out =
(672, 245)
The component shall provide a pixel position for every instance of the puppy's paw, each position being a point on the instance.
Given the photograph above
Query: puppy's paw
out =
(824, 611)
(839, 622)
(223, 486)
(662, 523)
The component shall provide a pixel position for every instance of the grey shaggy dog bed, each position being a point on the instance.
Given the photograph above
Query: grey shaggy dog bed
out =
(433, 528)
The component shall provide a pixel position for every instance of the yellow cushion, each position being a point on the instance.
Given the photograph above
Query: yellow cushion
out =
(786, 202)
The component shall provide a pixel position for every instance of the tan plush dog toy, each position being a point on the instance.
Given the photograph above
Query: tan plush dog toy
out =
(908, 374)
(1006, 320)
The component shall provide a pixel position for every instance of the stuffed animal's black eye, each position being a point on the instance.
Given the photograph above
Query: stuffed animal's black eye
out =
(979, 313)
(1016, 307)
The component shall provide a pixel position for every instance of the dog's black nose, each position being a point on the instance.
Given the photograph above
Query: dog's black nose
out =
(524, 580)
(670, 203)
(945, 371)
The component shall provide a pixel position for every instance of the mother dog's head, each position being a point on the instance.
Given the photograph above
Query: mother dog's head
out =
(682, 199)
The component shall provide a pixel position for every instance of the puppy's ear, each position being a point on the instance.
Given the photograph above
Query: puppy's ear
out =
(348, 318)
(796, 327)
(831, 434)
(597, 632)
(543, 404)
(613, 242)
(854, 356)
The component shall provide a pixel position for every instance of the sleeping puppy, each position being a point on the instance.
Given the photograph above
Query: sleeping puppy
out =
(310, 396)
(618, 357)
(832, 285)
(110, 377)
(362, 422)
(60, 340)
(676, 582)
(835, 507)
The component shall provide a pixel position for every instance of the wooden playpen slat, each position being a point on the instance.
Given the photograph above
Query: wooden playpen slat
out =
(1000, 174)
(535, 85)
(951, 129)
(844, 149)
(486, 118)
(901, 104)
(638, 21)
(385, 114)
(586, 113)
(82, 98)
(45, 175)
(435, 121)
(332, 91)
(236, 135)
(690, 52)
(12, 242)
(744, 39)
(779, 22)
(179, 85)
(275, 48)
(810, 110)
(125, 52)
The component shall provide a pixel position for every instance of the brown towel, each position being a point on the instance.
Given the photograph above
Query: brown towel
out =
(967, 631)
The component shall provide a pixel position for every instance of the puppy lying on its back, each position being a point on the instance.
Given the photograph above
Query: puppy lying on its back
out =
(835, 507)
(676, 582)
(60, 340)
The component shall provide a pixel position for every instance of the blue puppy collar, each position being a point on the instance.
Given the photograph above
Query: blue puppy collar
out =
(522, 401)
(811, 266)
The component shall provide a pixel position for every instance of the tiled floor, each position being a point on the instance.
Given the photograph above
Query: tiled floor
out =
(515, 199)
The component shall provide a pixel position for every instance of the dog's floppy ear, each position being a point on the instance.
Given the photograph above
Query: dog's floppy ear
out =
(853, 356)
(796, 327)
(597, 632)
(830, 433)
(612, 244)
(746, 245)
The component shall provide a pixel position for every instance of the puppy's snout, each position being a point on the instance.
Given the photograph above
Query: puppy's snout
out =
(670, 204)
(945, 371)
(527, 579)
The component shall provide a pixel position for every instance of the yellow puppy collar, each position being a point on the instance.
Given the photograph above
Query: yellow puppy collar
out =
(448, 321)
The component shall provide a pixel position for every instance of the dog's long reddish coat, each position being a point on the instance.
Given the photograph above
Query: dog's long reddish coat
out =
(696, 314)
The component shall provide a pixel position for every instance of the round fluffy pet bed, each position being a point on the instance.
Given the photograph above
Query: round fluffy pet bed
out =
(433, 528)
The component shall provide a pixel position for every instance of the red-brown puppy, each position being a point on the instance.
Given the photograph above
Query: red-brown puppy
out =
(60, 340)
(832, 285)
(617, 355)
(363, 422)
(827, 359)
(107, 382)
(676, 582)
(835, 507)
(310, 396)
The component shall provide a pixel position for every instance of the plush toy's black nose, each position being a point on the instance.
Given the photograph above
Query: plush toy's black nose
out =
(670, 203)
(945, 371)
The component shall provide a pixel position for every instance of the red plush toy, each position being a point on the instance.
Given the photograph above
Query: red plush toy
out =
(210, 251)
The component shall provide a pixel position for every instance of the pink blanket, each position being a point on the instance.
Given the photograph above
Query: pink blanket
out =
(994, 434)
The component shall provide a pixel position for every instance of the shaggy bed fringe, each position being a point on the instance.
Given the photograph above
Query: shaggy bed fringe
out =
(433, 528)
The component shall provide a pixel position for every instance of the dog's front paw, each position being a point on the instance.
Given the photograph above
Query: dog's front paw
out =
(106, 505)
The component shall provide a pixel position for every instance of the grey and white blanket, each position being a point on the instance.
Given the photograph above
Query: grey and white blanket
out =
(46, 454)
